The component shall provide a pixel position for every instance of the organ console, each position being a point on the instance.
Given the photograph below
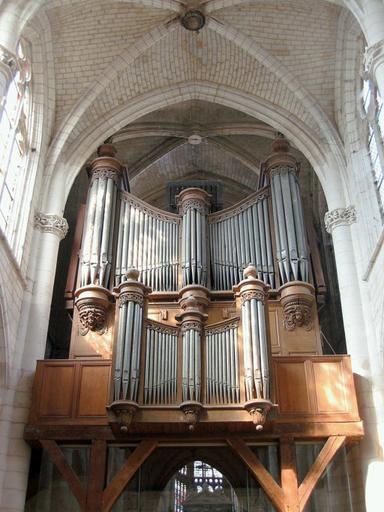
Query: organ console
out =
(194, 322)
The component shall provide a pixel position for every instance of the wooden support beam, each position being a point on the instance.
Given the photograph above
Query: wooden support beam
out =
(329, 450)
(66, 471)
(123, 477)
(271, 488)
(289, 474)
(96, 478)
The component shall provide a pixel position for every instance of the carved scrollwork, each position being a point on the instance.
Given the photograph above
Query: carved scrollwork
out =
(164, 329)
(105, 173)
(228, 213)
(50, 223)
(298, 313)
(151, 211)
(222, 328)
(339, 217)
(92, 318)
(135, 297)
(195, 204)
(281, 169)
(191, 325)
(252, 294)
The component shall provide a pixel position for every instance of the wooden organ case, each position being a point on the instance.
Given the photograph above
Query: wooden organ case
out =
(195, 326)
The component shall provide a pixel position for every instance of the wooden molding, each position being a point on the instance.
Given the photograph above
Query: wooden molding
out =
(329, 450)
(58, 458)
(271, 488)
(125, 474)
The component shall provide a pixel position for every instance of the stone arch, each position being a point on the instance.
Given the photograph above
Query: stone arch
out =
(323, 157)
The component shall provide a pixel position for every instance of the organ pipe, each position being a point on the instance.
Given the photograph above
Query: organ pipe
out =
(131, 296)
(252, 293)
(160, 364)
(239, 237)
(148, 241)
(97, 245)
(193, 204)
(292, 253)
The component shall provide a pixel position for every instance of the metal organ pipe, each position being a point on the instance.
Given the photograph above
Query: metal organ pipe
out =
(255, 344)
(193, 206)
(148, 241)
(131, 296)
(291, 241)
(222, 363)
(96, 252)
(239, 237)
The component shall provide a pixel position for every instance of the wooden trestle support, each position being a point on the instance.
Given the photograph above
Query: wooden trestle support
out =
(195, 328)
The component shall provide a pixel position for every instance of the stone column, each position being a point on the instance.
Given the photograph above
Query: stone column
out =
(32, 334)
(338, 223)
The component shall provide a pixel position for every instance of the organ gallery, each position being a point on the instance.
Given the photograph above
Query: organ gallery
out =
(195, 377)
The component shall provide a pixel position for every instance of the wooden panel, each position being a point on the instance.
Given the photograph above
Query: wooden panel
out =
(56, 392)
(93, 390)
(291, 387)
(274, 332)
(330, 387)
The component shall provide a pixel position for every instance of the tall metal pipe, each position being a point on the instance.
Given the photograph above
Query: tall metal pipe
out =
(194, 204)
(281, 170)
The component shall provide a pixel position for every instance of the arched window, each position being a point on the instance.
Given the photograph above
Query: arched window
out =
(15, 123)
(373, 106)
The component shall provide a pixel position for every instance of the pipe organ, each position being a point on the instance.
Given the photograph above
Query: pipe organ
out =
(196, 322)
(200, 300)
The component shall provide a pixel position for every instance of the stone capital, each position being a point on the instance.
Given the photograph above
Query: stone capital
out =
(374, 57)
(339, 217)
(7, 62)
(50, 223)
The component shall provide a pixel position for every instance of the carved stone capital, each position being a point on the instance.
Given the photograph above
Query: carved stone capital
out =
(92, 303)
(339, 217)
(191, 411)
(195, 198)
(258, 410)
(297, 299)
(50, 223)
(374, 57)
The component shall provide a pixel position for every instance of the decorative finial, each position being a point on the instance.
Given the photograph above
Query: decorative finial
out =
(280, 144)
(250, 272)
(106, 150)
(132, 274)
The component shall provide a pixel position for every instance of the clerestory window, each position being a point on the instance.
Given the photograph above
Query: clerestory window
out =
(373, 106)
(15, 124)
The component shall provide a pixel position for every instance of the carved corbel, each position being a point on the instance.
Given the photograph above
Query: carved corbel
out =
(124, 411)
(297, 299)
(258, 410)
(191, 411)
(92, 303)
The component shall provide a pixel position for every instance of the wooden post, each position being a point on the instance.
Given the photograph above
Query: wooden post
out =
(289, 474)
(96, 475)
(123, 477)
